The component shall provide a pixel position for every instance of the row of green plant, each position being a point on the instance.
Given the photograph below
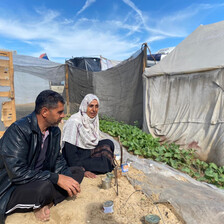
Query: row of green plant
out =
(143, 144)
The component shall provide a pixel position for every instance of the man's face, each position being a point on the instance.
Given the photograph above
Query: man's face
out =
(54, 116)
(92, 109)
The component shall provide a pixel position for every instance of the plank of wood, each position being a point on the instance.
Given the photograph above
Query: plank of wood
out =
(5, 94)
(4, 63)
(5, 53)
(4, 82)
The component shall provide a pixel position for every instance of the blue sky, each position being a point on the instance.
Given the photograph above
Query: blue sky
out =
(114, 29)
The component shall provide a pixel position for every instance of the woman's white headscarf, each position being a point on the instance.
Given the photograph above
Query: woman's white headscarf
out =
(80, 129)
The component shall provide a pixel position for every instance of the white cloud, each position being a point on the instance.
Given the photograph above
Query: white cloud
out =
(51, 14)
(179, 23)
(138, 11)
(154, 29)
(59, 39)
(87, 43)
(115, 39)
(154, 38)
(87, 4)
(176, 24)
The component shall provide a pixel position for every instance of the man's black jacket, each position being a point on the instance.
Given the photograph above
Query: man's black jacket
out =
(19, 150)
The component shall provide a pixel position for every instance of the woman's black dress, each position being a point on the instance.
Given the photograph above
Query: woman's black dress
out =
(99, 160)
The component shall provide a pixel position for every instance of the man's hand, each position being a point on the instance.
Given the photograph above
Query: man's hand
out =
(68, 184)
(89, 174)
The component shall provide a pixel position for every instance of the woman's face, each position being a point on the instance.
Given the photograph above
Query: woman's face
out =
(92, 109)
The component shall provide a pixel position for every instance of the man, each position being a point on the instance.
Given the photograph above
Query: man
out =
(33, 173)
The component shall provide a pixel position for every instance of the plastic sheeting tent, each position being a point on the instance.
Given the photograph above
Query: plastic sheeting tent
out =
(85, 63)
(31, 76)
(153, 59)
(119, 89)
(92, 64)
(183, 94)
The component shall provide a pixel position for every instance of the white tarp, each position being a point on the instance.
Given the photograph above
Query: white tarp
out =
(31, 76)
(202, 50)
(42, 68)
(183, 94)
(107, 63)
(28, 86)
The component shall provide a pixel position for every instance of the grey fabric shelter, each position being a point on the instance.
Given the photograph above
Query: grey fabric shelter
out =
(119, 89)
(183, 94)
(31, 76)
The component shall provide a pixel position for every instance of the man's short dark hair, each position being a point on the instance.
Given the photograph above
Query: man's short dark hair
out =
(48, 99)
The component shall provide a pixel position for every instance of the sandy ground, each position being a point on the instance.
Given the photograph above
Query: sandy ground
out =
(130, 206)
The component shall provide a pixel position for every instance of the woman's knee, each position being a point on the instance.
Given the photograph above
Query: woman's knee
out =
(107, 142)
(77, 173)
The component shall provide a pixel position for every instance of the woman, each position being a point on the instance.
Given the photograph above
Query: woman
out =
(80, 141)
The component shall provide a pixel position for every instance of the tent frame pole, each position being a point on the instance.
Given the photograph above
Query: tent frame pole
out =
(66, 89)
(145, 56)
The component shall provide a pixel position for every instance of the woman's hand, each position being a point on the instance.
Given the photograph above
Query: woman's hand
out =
(89, 174)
